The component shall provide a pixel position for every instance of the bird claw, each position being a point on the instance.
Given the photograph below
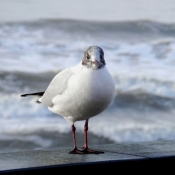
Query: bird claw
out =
(76, 151)
(90, 151)
(85, 151)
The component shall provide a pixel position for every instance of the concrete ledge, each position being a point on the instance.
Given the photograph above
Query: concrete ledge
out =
(136, 157)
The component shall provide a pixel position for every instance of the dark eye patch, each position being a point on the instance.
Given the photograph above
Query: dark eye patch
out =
(88, 56)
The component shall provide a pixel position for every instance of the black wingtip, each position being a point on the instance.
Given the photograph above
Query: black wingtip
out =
(37, 94)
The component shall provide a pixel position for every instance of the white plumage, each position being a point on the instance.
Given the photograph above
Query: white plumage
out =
(81, 92)
(86, 93)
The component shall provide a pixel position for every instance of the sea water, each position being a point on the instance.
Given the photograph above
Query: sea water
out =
(140, 55)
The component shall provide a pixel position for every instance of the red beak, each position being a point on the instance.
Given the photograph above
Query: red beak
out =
(95, 62)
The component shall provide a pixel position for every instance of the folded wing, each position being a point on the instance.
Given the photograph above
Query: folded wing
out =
(57, 87)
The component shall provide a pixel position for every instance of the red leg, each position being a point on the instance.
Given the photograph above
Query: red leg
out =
(86, 150)
(75, 150)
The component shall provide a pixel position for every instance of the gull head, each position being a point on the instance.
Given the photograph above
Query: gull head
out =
(93, 58)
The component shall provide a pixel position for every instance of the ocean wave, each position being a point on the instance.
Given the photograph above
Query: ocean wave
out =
(13, 106)
(155, 92)
(130, 118)
(77, 28)
(135, 85)
(140, 56)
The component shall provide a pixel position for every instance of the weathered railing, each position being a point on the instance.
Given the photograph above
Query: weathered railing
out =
(137, 157)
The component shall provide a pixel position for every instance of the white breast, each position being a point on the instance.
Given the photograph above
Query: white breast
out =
(89, 92)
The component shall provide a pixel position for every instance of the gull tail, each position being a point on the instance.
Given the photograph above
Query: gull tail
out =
(37, 94)
(40, 94)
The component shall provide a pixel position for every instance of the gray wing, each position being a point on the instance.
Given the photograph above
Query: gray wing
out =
(57, 86)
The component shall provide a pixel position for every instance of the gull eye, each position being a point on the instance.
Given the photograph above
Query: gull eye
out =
(88, 57)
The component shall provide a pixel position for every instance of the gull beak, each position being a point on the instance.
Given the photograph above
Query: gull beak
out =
(95, 62)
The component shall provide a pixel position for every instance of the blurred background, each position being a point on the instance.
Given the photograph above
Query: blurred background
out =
(39, 38)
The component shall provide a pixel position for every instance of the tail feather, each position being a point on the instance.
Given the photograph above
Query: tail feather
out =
(37, 93)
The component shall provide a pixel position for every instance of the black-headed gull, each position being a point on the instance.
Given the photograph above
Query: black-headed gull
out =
(80, 92)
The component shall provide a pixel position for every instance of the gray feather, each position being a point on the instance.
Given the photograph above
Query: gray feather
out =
(57, 86)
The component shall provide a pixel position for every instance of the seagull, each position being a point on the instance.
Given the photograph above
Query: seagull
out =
(79, 93)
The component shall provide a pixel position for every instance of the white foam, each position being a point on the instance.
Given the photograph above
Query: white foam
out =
(20, 116)
(133, 66)
(128, 126)
(136, 67)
